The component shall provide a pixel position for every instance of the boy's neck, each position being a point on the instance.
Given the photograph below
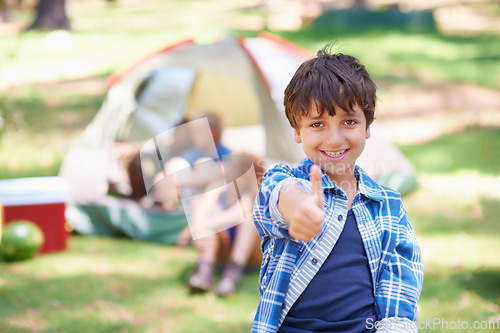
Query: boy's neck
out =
(348, 183)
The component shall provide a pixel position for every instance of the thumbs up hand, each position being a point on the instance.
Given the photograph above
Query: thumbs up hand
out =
(317, 186)
(304, 210)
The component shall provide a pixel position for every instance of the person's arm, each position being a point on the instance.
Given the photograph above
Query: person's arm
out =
(272, 202)
(230, 216)
(201, 208)
(400, 281)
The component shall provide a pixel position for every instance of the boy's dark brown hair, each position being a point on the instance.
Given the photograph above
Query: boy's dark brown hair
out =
(328, 80)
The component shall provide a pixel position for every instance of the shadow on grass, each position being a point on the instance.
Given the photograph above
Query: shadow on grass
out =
(424, 53)
(484, 282)
(114, 302)
(448, 220)
(468, 296)
(359, 19)
(312, 33)
(82, 300)
(65, 105)
(474, 148)
(433, 289)
(466, 162)
(105, 284)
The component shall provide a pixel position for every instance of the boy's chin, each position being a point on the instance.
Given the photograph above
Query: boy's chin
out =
(337, 170)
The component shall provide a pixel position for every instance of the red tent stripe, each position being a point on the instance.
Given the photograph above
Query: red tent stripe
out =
(115, 77)
(254, 62)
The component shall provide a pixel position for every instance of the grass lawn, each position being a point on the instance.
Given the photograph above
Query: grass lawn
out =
(49, 92)
(455, 213)
(116, 285)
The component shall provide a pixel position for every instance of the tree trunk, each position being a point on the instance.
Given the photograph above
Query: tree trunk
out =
(361, 4)
(5, 11)
(50, 14)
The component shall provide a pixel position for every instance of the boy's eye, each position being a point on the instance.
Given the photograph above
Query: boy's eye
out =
(316, 125)
(350, 122)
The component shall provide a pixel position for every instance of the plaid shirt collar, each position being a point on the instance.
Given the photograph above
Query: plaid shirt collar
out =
(367, 186)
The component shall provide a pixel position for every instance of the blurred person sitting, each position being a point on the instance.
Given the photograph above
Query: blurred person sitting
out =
(196, 178)
(202, 144)
(180, 143)
(226, 217)
(205, 146)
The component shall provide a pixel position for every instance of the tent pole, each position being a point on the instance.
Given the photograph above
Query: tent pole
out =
(162, 167)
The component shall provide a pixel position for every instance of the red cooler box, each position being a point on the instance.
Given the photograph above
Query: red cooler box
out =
(41, 200)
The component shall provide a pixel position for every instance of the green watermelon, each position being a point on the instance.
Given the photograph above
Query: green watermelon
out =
(21, 239)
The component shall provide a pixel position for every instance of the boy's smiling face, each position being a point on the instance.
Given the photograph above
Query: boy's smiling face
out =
(333, 142)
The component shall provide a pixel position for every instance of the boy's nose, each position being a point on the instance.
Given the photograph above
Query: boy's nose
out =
(333, 138)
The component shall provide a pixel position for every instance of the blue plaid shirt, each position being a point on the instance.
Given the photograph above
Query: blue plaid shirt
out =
(289, 265)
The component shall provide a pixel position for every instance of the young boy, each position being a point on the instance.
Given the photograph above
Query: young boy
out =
(339, 253)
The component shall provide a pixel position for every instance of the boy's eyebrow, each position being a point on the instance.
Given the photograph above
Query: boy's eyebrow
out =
(315, 115)
(354, 113)
(313, 118)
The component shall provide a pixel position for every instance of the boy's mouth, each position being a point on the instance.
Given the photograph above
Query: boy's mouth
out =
(335, 154)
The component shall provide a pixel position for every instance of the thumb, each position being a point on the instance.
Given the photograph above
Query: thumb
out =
(317, 184)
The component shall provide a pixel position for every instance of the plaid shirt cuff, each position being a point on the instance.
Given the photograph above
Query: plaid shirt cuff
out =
(396, 325)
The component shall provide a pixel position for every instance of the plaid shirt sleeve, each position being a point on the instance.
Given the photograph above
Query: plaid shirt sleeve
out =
(268, 219)
(279, 250)
(400, 277)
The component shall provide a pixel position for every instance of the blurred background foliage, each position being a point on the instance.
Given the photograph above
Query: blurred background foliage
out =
(437, 67)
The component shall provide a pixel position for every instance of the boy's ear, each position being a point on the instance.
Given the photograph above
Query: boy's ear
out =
(368, 133)
(296, 136)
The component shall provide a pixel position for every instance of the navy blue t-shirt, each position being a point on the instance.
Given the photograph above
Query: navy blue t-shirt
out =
(340, 296)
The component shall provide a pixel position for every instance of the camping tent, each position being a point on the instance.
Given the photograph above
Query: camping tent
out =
(242, 79)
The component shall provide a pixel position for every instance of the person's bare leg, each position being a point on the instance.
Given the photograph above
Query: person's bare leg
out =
(208, 247)
(202, 280)
(168, 192)
(244, 242)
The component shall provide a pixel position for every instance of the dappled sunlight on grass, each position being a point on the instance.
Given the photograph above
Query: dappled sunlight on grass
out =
(474, 148)
(455, 214)
(104, 284)
(41, 124)
(457, 300)
(53, 84)
(457, 251)
(426, 58)
(457, 198)
(40, 157)
(122, 257)
(463, 187)
(457, 202)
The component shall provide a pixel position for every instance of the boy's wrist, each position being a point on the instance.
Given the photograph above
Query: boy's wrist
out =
(303, 209)
(395, 325)
(276, 216)
(290, 196)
